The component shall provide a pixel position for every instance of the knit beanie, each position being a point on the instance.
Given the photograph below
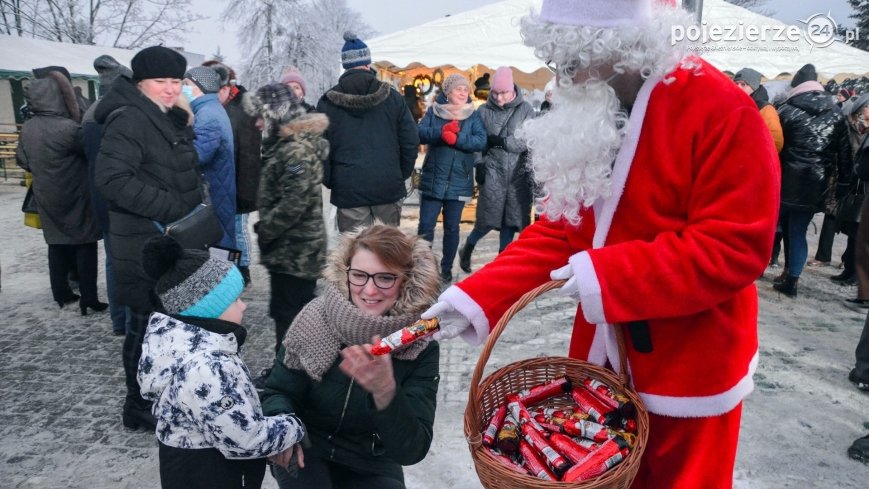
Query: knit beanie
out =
(749, 76)
(226, 74)
(205, 78)
(355, 52)
(596, 13)
(109, 70)
(190, 282)
(292, 75)
(503, 80)
(453, 81)
(806, 73)
(482, 83)
(158, 62)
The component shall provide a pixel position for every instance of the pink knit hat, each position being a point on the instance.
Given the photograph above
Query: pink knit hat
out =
(597, 13)
(503, 80)
(292, 74)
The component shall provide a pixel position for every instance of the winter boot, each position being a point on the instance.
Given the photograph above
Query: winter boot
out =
(465, 257)
(781, 278)
(859, 450)
(788, 287)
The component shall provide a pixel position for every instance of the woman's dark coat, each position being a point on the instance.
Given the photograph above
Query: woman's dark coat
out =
(147, 171)
(50, 147)
(815, 145)
(448, 171)
(505, 197)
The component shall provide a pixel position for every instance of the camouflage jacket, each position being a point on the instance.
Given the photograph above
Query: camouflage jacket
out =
(290, 231)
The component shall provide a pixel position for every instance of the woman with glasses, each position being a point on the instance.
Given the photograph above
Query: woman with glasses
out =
(365, 416)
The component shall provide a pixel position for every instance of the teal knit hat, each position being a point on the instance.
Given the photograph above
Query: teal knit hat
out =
(190, 282)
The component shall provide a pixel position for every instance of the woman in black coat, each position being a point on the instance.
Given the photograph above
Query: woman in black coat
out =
(50, 147)
(147, 171)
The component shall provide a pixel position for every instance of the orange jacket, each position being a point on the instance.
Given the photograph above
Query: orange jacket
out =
(770, 117)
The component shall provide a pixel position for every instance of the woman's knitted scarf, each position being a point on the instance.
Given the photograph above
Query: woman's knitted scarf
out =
(453, 112)
(331, 322)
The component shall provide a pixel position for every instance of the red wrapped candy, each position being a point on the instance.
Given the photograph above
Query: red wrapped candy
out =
(607, 456)
(406, 336)
(565, 445)
(558, 463)
(544, 391)
(494, 425)
(532, 462)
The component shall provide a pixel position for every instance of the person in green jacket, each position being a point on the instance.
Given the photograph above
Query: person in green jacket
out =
(365, 416)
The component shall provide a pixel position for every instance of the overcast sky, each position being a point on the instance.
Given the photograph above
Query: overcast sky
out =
(387, 16)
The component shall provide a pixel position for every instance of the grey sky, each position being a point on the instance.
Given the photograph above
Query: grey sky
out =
(387, 16)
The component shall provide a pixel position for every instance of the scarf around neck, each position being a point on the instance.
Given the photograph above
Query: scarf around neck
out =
(451, 112)
(331, 322)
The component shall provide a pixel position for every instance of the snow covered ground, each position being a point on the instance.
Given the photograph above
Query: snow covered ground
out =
(61, 381)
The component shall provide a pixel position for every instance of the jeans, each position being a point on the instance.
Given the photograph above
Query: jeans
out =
(794, 224)
(120, 314)
(505, 237)
(242, 239)
(429, 209)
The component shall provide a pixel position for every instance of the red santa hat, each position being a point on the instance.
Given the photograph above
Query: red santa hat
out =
(599, 13)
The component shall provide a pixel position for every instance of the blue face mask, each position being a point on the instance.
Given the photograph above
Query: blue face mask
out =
(187, 90)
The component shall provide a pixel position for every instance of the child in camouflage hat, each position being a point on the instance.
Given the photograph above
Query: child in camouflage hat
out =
(290, 232)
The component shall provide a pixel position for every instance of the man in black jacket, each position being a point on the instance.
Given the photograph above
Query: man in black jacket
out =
(373, 142)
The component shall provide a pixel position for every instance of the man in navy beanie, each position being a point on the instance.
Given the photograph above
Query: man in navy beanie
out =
(373, 142)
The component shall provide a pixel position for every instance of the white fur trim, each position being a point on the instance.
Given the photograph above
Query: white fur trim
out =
(703, 406)
(625, 158)
(463, 303)
(597, 13)
(589, 287)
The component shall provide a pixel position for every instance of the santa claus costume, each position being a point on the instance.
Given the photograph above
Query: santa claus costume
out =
(672, 252)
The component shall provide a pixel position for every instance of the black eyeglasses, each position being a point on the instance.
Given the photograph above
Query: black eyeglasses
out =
(382, 280)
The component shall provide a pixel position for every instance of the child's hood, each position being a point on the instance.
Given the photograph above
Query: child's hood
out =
(169, 343)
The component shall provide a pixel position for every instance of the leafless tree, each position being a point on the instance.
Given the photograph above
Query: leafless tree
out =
(307, 34)
(118, 23)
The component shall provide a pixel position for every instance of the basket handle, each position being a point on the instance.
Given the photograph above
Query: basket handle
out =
(473, 391)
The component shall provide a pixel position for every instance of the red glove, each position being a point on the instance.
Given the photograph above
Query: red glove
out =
(449, 137)
(449, 132)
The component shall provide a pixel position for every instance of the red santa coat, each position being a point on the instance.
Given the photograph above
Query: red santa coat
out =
(687, 230)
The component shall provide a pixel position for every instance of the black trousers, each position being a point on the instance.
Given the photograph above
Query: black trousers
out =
(132, 351)
(862, 353)
(320, 474)
(65, 258)
(289, 294)
(207, 468)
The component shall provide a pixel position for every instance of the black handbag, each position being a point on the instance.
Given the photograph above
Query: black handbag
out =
(199, 229)
(29, 204)
(851, 204)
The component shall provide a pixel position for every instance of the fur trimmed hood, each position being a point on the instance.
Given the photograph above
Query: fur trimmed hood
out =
(423, 281)
(312, 123)
(359, 102)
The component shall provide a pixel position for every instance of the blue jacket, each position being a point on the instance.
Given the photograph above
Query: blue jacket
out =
(215, 149)
(448, 171)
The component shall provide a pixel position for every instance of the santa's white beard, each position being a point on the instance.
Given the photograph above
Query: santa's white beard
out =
(573, 146)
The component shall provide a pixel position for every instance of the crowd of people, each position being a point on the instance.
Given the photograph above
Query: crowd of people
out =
(626, 208)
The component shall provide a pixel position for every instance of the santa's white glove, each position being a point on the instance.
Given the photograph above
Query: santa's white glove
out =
(452, 322)
(571, 287)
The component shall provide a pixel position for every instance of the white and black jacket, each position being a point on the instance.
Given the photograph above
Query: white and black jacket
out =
(202, 391)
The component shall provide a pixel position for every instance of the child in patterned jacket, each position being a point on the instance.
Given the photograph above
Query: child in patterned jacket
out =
(210, 426)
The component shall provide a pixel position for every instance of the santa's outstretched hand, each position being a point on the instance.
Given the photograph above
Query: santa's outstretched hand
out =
(452, 322)
(571, 287)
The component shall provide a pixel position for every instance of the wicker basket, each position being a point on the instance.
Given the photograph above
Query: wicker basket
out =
(485, 396)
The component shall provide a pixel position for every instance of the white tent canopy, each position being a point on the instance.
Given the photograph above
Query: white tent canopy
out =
(22, 54)
(489, 35)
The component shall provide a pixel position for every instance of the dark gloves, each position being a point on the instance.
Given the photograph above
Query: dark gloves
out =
(494, 141)
(480, 173)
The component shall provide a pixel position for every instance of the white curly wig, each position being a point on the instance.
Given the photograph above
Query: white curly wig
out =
(574, 145)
